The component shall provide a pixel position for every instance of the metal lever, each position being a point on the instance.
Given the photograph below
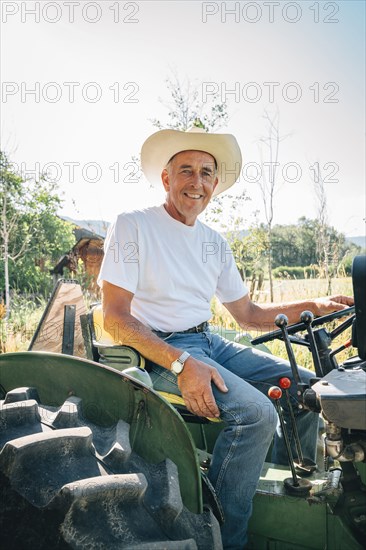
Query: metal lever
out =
(281, 322)
(303, 466)
(307, 318)
(293, 485)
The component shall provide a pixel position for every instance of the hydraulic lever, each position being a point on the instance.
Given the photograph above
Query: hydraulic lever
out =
(303, 466)
(307, 318)
(293, 485)
(281, 322)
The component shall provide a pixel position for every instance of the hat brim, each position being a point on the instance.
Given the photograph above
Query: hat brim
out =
(161, 146)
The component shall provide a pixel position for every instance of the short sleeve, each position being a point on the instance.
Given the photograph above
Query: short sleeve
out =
(120, 264)
(230, 286)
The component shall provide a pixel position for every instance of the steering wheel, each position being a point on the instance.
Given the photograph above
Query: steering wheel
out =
(298, 327)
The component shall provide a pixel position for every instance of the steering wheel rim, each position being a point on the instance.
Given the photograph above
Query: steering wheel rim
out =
(298, 327)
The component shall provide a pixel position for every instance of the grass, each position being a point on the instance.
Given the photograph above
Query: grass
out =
(16, 334)
(302, 289)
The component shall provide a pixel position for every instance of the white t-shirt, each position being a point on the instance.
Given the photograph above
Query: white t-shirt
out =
(172, 269)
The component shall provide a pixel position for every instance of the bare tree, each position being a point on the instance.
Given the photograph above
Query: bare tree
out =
(267, 186)
(323, 244)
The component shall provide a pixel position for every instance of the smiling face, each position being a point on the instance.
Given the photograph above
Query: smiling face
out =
(189, 180)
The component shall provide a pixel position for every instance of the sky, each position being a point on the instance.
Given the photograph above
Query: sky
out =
(81, 81)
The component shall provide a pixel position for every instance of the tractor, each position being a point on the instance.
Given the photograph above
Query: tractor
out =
(91, 456)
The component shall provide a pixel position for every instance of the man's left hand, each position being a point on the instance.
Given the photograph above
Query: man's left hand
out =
(328, 304)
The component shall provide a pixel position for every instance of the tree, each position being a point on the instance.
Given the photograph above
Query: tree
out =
(32, 235)
(296, 244)
(185, 109)
(253, 248)
(11, 204)
(267, 186)
(328, 252)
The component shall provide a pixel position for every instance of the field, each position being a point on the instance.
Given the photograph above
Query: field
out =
(17, 334)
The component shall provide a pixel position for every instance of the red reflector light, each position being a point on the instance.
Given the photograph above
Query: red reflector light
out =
(275, 392)
(284, 383)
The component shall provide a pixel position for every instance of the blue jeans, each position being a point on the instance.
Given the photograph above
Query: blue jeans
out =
(250, 421)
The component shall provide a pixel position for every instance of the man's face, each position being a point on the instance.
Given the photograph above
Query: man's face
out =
(189, 180)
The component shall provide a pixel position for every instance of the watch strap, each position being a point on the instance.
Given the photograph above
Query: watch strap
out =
(182, 358)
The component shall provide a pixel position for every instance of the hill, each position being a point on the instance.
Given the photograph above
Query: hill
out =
(359, 240)
(98, 227)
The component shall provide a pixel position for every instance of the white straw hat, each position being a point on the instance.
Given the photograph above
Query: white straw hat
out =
(161, 146)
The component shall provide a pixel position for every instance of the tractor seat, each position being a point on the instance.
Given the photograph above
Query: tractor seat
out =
(105, 349)
(120, 357)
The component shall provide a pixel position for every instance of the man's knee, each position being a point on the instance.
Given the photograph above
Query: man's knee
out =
(258, 412)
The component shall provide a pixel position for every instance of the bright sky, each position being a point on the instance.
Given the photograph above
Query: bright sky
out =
(97, 71)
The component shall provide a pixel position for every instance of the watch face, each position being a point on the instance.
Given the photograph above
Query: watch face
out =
(177, 367)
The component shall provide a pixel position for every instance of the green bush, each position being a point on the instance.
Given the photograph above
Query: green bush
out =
(295, 272)
(311, 271)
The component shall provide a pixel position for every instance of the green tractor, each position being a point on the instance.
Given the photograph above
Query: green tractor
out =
(91, 456)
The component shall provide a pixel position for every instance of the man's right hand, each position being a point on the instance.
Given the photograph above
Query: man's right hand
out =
(195, 386)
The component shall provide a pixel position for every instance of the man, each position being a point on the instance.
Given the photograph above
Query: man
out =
(161, 268)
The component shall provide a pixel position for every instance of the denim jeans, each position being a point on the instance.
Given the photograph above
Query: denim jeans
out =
(250, 421)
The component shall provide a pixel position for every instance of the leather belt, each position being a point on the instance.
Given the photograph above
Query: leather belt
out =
(199, 328)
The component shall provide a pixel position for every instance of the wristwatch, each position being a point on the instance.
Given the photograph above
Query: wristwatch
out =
(178, 365)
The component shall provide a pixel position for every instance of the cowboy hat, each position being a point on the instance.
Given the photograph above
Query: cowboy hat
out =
(161, 146)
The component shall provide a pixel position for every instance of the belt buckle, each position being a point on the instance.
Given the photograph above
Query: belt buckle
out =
(200, 328)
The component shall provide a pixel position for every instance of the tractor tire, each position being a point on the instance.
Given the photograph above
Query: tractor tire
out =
(68, 483)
